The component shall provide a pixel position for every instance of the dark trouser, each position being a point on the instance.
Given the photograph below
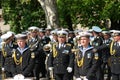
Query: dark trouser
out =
(99, 74)
(66, 76)
(36, 71)
(106, 70)
(92, 78)
(8, 74)
(43, 69)
(39, 68)
(115, 76)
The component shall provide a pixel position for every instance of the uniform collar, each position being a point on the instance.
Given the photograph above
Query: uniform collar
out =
(85, 49)
(21, 50)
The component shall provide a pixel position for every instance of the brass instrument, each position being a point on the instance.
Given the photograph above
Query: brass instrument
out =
(47, 47)
(79, 61)
(75, 50)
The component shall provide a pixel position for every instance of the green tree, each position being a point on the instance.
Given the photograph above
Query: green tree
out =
(89, 12)
(112, 11)
(0, 4)
(21, 14)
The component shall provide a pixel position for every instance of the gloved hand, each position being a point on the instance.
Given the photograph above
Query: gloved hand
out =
(21, 76)
(78, 78)
(85, 78)
(18, 77)
(50, 68)
(69, 69)
(15, 77)
(3, 69)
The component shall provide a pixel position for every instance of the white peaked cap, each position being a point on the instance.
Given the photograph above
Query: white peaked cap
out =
(96, 29)
(21, 36)
(10, 32)
(62, 33)
(85, 34)
(33, 28)
(6, 36)
(54, 32)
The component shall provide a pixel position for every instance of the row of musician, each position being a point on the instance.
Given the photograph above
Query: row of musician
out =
(61, 59)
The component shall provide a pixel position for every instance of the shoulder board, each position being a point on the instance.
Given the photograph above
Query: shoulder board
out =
(68, 44)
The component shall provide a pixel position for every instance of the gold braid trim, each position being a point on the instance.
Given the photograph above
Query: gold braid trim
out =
(54, 51)
(3, 50)
(112, 52)
(17, 61)
(80, 62)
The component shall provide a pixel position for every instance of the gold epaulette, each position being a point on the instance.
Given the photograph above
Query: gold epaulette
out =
(68, 44)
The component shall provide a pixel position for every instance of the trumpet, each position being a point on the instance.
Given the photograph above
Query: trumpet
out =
(75, 50)
(47, 47)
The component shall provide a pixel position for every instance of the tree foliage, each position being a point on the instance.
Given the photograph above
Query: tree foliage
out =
(0, 4)
(21, 14)
(89, 12)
